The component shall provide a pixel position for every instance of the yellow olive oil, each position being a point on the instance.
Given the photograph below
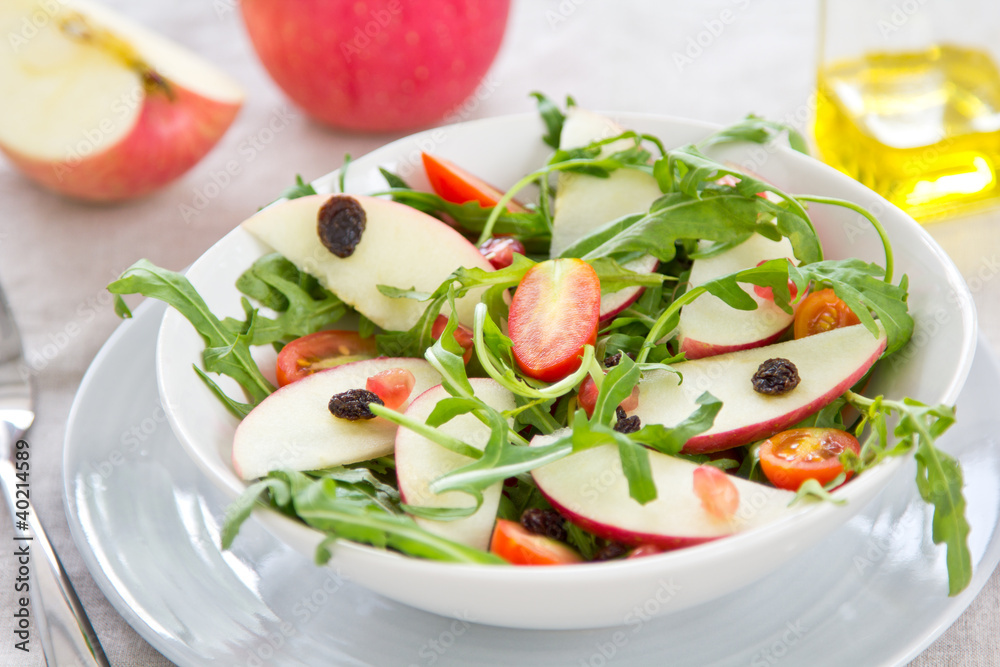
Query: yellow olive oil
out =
(922, 128)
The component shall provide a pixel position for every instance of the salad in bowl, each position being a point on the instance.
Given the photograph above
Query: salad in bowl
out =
(644, 360)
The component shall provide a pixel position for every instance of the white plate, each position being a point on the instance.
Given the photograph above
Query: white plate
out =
(146, 520)
(500, 150)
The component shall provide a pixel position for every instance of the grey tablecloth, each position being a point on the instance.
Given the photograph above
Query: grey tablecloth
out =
(56, 255)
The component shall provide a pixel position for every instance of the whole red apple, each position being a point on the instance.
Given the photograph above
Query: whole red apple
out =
(377, 65)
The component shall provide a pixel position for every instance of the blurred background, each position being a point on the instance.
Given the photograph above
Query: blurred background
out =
(714, 60)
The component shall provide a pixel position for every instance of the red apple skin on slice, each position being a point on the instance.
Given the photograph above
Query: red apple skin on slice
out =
(293, 428)
(708, 326)
(590, 489)
(420, 461)
(554, 314)
(613, 303)
(828, 364)
(169, 137)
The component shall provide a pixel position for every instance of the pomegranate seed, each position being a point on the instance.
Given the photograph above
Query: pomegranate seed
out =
(500, 250)
(462, 335)
(587, 396)
(393, 386)
(768, 293)
(718, 495)
(644, 550)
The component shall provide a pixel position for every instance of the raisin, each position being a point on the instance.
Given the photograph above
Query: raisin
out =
(613, 360)
(340, 224)
(610, 551)
(353, 404)
(626, 424)
(544, 522)
(775, 377)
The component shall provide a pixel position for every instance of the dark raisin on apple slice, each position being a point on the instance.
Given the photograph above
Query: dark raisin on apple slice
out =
(626, 424)
(353, 404)
(610, 551)
(775, 377)
(544, 522)
(340, 224)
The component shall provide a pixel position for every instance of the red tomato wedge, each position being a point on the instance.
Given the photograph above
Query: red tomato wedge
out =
(822, 311)
(791, 457)
(553, 315)
(319, 351)
(454, 184)
(518, 546)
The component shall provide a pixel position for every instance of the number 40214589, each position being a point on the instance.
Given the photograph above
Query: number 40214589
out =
(21, 492)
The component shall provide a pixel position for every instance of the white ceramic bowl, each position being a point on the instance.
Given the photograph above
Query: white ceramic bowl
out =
(601, 594)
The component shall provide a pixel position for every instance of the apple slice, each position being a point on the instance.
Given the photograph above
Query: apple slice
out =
(553, 315)
(293, 428)
(97, 107)
(583, 203)
(400, 247)
(613, 303)
(420, 461)
(828, 364)
(590, 489)
(709, 326)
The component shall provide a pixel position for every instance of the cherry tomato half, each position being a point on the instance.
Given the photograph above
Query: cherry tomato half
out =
(454, 184)
(319, 351)
(554, 314)
(822, 311)
(791, 457)
(518, 546)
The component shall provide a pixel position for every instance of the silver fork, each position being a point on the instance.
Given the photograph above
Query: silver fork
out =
(66, 634)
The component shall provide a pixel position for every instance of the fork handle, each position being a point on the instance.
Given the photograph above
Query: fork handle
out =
(66, 634)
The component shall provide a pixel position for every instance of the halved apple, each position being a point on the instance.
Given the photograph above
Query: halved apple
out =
(400, 247)
(293, 428)
(708, 326)
(583, 203)
(97, 107)
(420, 461)
(590, 489)
(828, 364)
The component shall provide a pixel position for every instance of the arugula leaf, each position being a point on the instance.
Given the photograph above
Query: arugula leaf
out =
(939, 476)
(342, 176)
(861, 287)
(756, 130)
(347, 510)
(552, 117)
(716, 216)
(414, 341)
(300, 189)
(225, 352)
(523, 495)
(689, 171)
(471, 216)
(304, 306)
